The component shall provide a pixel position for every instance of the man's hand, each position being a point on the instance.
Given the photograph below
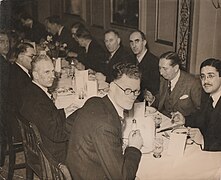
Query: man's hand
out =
(149, 97)
(196, 135)
(177, 118)
(135, 139)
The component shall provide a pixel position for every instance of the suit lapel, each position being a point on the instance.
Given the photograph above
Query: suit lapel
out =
(178, 89)
(216, 113)
(111, 110)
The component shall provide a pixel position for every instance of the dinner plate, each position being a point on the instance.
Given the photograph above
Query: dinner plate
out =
(146, 150)
(64, 91)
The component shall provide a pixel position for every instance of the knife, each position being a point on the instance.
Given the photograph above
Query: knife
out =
(169, 128)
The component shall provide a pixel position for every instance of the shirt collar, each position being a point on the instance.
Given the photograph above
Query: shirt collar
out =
(112, 54)
(86, 48)
(59, 32)
(119, 110)
(141, 56)
(216, 97)
(175, 80)
(23, 68)
(43, 88)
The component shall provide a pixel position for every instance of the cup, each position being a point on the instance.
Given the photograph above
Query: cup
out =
(157, 147)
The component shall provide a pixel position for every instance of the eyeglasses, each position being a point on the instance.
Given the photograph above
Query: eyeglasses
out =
(31, 56)
(209, 76)
(128, 91)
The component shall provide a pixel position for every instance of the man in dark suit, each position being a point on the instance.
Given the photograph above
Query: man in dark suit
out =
(19, 78)
(38, 107)
(147, 62)
(61, 34)
(116, 52)
(94, 56)
(33, 30)
(179, 91)
(208, 118)
(95, 147)
(4, 73)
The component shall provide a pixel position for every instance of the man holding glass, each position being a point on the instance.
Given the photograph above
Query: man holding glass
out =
(95, 146)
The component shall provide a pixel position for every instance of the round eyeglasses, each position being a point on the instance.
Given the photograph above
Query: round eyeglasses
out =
(128, 91)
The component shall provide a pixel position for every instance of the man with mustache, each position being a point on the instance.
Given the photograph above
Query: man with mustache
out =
(208, 118)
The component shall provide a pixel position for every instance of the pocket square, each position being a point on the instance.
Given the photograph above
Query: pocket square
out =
(184, 96)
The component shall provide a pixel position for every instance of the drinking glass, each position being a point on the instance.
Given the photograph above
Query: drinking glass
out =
(158, 147)
(157, 120)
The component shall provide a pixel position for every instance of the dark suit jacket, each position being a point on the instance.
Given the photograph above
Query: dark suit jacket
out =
(209, 125)
(18, 80)
(185, 97)
(39, 109)
(95, 57)
(4, 73)
(149, 67)
(121, 55)
(66, 37)
(95, 147)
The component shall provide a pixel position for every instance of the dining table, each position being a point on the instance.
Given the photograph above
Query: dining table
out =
(192, 164)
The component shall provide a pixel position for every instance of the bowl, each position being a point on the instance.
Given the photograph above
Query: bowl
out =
(150, 110)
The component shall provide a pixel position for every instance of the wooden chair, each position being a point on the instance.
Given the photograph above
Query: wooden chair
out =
(38, 159)
(31, 139)
(14, 147)
(54, 169)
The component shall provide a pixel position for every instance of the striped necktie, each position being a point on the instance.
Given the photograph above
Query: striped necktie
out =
(169, 87)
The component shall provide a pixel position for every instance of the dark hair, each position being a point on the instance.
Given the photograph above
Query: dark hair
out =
(21, 48)
(173, 57)
(82, 32)
(78, 25)
(216, 63)
(3, 32)
(54, 20)
(113, 31)
(129, 69)
(25, 16)
(143, 36)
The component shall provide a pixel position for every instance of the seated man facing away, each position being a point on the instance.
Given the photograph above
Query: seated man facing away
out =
(208, 118)
(38, 107)
(95, 147)
(179, 91)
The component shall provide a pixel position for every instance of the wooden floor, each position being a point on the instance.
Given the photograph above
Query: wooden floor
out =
(18, 174)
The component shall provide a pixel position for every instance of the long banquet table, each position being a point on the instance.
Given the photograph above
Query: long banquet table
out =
(194, 165)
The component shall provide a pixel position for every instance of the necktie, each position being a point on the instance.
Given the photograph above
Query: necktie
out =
(210, 103)
(123, 123)
(169, 87)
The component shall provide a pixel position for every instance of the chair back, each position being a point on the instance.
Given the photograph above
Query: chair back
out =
(31, 138)
(54, 169)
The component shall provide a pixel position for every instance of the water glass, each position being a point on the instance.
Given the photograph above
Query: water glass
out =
(158, 147)
(157, 120)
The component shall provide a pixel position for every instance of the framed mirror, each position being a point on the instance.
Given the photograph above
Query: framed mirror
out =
(125, 13)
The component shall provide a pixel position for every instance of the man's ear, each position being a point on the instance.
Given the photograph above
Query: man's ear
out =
(177, 67)
(118, 40)
(35, 75)
(144, 42)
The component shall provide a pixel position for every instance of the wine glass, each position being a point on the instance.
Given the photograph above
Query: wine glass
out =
(158, 147)
(157, 120)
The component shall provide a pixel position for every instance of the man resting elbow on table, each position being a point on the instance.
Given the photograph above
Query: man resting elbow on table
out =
(179, 91)
(208, 118)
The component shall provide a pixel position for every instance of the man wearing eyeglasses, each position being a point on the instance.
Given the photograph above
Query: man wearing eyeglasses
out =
(95, 146)
(19, 78)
